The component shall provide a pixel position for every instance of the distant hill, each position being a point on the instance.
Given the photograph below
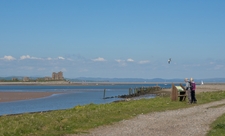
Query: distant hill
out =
(18, 77)
(11, 77)
(97, 79)
(91, 79)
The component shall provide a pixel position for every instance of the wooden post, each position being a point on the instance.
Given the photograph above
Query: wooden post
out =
(130, 91)
(174, 93)
(104, 94)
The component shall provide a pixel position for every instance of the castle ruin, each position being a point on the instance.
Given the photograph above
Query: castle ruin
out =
(57, 76)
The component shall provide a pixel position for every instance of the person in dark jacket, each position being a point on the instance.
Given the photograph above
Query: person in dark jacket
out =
(193, 87)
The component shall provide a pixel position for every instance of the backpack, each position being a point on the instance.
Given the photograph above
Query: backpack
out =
(192, 86)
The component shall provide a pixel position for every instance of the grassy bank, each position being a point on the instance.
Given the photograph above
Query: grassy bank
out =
(218, 127)
(81, 118)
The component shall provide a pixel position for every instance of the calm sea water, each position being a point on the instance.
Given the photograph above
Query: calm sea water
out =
(71, 97)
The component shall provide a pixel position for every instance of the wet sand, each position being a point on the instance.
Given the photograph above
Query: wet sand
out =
(16, 96)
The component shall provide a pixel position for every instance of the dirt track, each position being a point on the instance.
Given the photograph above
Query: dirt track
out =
(193, 121)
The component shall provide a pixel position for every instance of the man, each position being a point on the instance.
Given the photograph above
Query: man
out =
(188, 90)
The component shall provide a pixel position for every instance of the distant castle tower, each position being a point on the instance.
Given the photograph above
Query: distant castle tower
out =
(57, 76)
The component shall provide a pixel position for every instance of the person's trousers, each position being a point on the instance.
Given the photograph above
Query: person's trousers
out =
(189, 95)
(193, 99)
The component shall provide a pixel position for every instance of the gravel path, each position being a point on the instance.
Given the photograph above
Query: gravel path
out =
(193, 121)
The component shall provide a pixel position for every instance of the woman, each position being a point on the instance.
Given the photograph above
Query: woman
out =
(193, 87)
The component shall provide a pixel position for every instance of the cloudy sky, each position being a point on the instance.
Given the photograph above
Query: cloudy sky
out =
(117, 38)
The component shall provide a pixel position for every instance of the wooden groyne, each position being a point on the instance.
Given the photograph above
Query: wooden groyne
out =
(136, 92)
(141, 91)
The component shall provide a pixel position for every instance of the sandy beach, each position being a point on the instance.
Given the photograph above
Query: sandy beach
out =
(16, 96)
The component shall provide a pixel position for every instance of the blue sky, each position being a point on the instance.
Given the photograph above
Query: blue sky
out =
(113, 38)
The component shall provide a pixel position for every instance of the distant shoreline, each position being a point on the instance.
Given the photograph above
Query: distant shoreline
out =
(81, 83)
(65, 83)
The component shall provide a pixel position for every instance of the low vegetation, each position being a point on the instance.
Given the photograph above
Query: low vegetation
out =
(82, 118)
(218, 126)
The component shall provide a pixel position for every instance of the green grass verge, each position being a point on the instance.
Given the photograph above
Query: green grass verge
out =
(218, 127)
(82, 118)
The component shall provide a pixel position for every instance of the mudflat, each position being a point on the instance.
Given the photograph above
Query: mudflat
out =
(16, 96)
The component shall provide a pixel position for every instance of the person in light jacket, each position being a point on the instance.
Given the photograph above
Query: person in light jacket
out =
(188, 89)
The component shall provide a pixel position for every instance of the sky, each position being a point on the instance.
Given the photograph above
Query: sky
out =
(113, 38)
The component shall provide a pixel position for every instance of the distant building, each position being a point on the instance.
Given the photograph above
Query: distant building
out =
(15, 79)
(57, 76)
(39, 79)
(48, 78)
(25, 79)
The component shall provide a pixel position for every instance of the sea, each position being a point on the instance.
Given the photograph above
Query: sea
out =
(69, 97)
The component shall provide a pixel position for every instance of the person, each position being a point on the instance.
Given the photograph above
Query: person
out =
(193, 87)
(188, 90)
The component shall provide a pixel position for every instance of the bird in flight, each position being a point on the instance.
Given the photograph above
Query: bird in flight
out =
(169, 60)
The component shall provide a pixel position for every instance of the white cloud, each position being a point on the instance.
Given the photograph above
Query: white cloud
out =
(119, 60)
(211, 63)
(218, 67)
(36, 58)
(130, 60)
(28, 57)
(8, 58)
(49, 58)
(61, 58)
(25, 57)
(99, 59)
(143, 61)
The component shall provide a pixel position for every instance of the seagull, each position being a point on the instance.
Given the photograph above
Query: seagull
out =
(169, 60)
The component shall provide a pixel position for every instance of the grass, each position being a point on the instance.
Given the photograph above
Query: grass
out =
(218, 127)
(82, 118)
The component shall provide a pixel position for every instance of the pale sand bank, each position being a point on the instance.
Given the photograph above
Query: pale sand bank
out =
(16, 96)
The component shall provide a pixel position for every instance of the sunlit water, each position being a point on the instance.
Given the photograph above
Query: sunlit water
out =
(71, 97)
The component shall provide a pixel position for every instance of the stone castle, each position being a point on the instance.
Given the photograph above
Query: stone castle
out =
(57, 76)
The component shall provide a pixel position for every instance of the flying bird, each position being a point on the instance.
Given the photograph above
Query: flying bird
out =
(169, 60)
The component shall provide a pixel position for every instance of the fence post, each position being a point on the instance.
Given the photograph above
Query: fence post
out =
(104, 94)
(130, 91)
(174, 93)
